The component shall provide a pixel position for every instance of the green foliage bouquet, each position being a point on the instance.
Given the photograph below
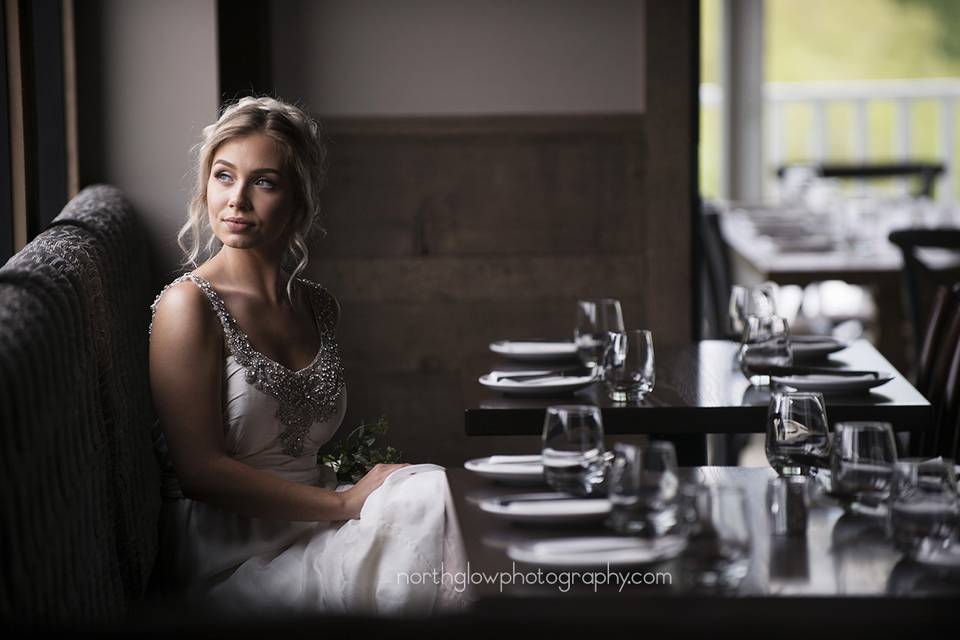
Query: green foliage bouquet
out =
(353, 456)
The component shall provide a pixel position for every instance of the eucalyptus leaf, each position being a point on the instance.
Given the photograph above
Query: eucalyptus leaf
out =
(353, 456)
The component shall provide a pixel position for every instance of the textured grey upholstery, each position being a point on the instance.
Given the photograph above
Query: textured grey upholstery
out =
(81, 490)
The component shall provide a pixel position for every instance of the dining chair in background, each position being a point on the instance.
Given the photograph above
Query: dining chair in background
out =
(938, 373)
(716, 274)
(947, 414)
(925, 173)
(921, 276)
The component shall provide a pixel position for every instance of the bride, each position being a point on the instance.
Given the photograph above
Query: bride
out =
(248, 385)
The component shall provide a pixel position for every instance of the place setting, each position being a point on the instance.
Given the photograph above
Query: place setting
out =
(623, 507)
(601, 351)
(769, 355)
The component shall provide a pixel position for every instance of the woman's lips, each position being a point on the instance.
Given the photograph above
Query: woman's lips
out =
(237, 225)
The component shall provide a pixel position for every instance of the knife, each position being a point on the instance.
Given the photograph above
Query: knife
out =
(539, 497)
(804, 371)
(534, 375)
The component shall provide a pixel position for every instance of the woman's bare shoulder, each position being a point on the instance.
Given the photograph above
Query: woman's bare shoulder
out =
(183, 314)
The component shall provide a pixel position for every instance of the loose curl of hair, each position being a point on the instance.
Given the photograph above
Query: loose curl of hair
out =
(305, 163)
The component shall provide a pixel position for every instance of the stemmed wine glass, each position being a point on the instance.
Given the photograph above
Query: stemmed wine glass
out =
(797, 441)
(596, 318)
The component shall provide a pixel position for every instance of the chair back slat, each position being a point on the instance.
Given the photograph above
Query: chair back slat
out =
(940, 313)
(919, 279)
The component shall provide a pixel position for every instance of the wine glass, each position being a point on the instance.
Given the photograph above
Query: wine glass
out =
(643, 489)
(574, 460)
(596, 318)
(862, 461)
(759, 300)
(765, 344)
(797, 441)
(628, 369)
(924, 517)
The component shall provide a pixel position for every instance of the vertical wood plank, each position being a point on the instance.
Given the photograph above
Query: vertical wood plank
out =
(668, 281)
(18, 161)
(70, 98)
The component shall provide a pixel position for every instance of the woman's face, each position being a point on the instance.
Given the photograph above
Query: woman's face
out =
(249, 197)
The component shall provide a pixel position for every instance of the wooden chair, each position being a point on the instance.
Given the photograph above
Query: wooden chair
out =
(716, 279)
(941, 313)
(939, 374)
(926, 173)
(947, 443)
(920, 279)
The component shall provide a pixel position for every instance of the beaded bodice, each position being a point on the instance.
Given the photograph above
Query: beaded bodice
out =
(304, 396)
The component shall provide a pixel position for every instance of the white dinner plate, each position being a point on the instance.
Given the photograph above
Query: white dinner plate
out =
(511, 469)
(826, 383)
(810, 347)
(537, 386)
(534, 350)
(597, 551)
(940, 558)
(546, 508)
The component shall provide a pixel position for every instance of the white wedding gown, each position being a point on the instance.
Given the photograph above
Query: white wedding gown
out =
(401, 557)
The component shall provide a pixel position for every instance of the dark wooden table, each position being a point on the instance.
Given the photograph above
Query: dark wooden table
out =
(699, 390)
(842, 554)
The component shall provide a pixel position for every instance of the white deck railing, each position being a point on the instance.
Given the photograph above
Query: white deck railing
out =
(818, 96)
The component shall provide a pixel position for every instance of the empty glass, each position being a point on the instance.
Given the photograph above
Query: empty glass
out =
(573, 453)
(643, 489)
(797, 440)
(719, 541)
(861, 463)
(759, 300)
(628, 365)
(765, 343)
(596, 318)
(924, 514)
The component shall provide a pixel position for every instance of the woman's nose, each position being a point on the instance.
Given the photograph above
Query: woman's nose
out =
(238, 198)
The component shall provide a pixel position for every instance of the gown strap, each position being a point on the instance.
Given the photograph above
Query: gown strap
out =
(326, 308)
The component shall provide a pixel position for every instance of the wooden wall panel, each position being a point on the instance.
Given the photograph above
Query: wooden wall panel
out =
(447, 234)
(479, 189)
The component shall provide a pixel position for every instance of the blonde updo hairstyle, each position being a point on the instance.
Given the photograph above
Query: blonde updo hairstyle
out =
(304, 154)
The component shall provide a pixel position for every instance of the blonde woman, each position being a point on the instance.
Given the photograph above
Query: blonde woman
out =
(248, 384)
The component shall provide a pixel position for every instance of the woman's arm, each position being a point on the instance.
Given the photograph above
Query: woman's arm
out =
(186, 365)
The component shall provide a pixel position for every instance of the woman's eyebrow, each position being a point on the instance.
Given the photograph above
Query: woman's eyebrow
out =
(260, 170)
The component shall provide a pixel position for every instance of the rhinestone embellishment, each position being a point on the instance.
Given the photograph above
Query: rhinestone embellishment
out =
(303, 397)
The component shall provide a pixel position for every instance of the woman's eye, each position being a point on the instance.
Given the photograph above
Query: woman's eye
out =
(263, 182)
(222, 176)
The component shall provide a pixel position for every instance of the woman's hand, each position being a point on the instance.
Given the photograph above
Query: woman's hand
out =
(357, 495)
